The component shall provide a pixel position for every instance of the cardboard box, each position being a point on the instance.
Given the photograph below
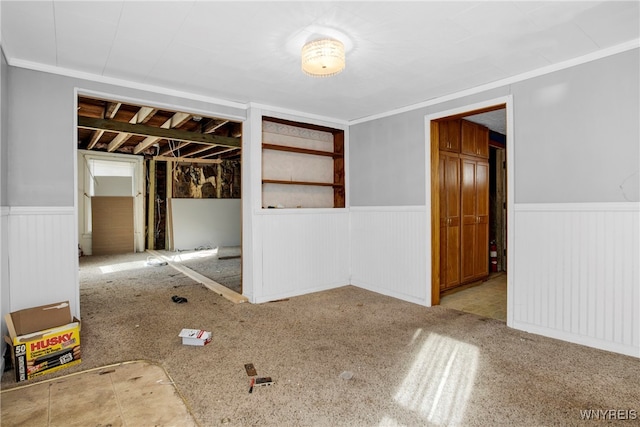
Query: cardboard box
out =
(43, 339)
(195, 337)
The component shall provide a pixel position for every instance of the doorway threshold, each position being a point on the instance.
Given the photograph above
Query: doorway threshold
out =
(488, 298)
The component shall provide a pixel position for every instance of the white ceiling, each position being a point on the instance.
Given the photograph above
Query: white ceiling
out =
(401, 53)
(495, 120)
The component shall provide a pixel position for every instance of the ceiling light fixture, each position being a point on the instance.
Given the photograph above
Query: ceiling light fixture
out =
(323, 57)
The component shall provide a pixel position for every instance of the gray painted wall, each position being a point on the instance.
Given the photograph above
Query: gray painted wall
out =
(387, 161)
(387, 156)
(4, 255)
(40, 138)
(577, 133)
(576, 138)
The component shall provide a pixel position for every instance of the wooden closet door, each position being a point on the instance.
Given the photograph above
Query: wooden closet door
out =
(449, 220)
(449, 135)
(475, 219)
(468, 204)
(482, 142)
(443, 220)
(468, 138)
(474, 139)
(481, 268)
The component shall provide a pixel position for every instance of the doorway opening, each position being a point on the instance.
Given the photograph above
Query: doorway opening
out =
(180, 192)
(469, 211)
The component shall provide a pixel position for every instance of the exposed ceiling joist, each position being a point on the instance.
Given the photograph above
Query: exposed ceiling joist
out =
(188, 160)
(153, 131)
(213, 125)
(198, 151)
(142, 116)
(148, 142)
(144, 130)
(111, 109)
(117, 142)
(173, 148)
(217, 153)
(94, 139)
(176, 120)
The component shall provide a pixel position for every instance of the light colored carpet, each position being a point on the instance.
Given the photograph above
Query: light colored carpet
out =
(343, 357)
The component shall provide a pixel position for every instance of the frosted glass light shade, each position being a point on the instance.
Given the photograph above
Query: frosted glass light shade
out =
(323, 58)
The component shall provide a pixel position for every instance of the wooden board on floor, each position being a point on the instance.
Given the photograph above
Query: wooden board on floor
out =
(229, 252)
(211, 284)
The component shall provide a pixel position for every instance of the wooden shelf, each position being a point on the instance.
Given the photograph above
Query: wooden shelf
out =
(337, 154)
(301, 150)
(317, 184)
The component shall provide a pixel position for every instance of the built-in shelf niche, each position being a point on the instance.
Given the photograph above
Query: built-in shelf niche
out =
(302, 165)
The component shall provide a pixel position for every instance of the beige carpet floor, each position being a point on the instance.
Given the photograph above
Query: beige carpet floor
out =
(344, 357)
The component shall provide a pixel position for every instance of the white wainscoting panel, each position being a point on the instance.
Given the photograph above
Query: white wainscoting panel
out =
(43, 257)
(302, 251)
(576, 273)
(389, 252)
(5, 306)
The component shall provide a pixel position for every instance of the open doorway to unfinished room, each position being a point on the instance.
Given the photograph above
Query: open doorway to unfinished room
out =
(469, 211)
(186, 185)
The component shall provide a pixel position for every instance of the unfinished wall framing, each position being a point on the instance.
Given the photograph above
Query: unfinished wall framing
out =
(218, 179)
(197, 180)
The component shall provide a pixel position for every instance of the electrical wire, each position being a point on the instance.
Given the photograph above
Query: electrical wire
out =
(158, 206)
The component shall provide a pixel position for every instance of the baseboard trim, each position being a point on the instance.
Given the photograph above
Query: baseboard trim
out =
(627, 350)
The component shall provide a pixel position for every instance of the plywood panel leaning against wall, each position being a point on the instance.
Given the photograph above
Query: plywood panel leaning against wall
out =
(112, 225)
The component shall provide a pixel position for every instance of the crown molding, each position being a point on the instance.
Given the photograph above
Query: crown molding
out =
(286, 113)
(603, 53)
(66, 72)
